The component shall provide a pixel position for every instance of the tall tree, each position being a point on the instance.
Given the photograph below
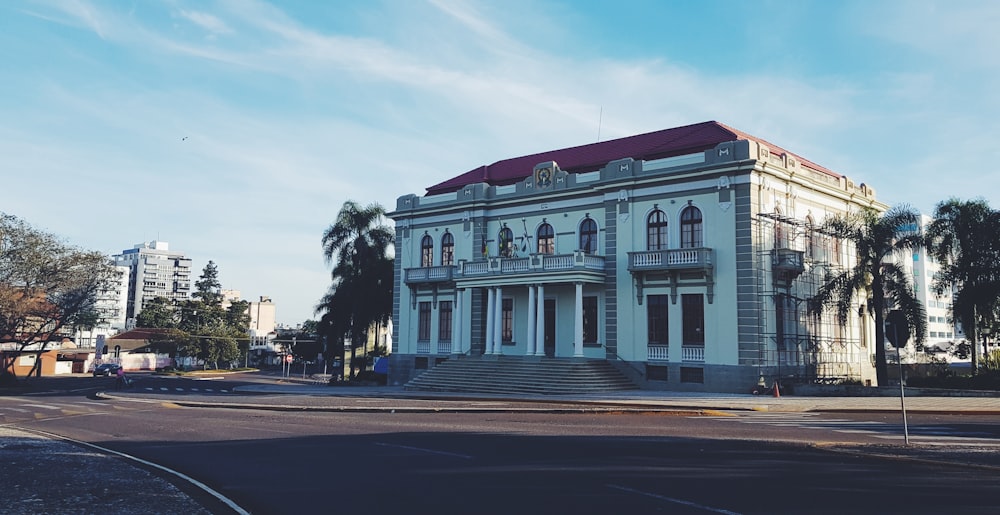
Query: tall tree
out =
(45, 285)
(964, 238)
(205, 329)
(208, 289)
(158, 313)
(876, 278)
(358, 243)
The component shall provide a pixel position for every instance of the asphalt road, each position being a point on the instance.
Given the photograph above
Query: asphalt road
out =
(523, 462)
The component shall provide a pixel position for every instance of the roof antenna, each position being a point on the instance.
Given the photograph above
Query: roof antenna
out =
(600, 118)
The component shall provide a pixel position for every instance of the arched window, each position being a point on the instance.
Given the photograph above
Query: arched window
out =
(656, 231)
(779, 230)
(427, 251)
(447, 249)
(546, 239)
(810, 237)
(506, 242)
(692, 234)
(588, 236)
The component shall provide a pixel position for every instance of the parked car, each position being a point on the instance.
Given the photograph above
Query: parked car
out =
(106, 369)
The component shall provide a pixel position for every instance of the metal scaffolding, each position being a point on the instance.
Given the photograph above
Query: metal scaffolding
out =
(794, 259)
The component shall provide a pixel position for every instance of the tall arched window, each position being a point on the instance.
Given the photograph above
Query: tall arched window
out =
(810, 237)
(427, 251)
(656, 231)
(447, 249)
(506, 242)
(779, 230)
(546, 239)
(692, 234)
(588, 236)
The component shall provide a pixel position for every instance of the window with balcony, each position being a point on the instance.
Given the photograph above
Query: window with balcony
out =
(507, 321)
(588, 236)
(693, 318)
(427, 251)
(505, 241)
(590, 319)
(656, 231)
(447, 249)
(424, 322)
(692, 235)
(444, 321)
(656, 318)
(546, 239)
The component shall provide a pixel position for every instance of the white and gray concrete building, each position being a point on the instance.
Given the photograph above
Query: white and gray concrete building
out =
(154, 271)
(687, 257)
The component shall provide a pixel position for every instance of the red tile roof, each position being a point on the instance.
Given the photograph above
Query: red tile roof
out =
(586, 158)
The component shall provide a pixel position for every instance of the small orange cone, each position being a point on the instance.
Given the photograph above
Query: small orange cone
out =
(777, 393)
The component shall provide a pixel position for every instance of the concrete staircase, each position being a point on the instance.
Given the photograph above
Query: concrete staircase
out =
(522, 375)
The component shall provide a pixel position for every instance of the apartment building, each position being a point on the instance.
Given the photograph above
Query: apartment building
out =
(154, 271)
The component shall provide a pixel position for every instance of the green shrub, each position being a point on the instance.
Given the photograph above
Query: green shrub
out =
(985, 380)
(992, 360)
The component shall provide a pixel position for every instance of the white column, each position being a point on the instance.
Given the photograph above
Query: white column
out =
(456, 332)
(578, 322)
(540, 327)
(489, 321)
(531, 321)
(498, 323)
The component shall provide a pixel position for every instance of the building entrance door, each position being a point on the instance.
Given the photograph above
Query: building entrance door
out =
(550, 328)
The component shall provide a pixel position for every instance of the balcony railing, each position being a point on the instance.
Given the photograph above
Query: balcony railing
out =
(430, 274)
(786, 265)
(670, 259)
(693, 353)
(788, 260)
(502, 266)
(657, 352)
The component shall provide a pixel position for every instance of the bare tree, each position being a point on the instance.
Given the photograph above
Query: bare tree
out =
(45, 285)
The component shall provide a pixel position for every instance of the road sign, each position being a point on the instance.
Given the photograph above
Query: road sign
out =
(897, 329)
(288, 358)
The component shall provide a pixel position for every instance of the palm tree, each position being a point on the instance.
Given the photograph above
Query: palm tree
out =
(964, 238)
(881, 282)
(361, 294)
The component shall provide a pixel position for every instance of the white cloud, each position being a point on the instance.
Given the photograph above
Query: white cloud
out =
(286, 120)
(210, 23)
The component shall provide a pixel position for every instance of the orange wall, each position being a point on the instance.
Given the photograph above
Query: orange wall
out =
(24, 363)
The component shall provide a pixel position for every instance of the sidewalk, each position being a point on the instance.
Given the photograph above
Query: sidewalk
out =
(644, 399)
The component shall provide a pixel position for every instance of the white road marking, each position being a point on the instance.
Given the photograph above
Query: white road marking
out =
(225, 500)
(876, 429)
(673, 500)
(429, 451)
(42, 406)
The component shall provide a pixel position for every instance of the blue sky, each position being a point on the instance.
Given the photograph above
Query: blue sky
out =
(236, 129)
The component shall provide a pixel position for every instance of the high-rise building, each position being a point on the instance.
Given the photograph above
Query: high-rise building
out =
(942, 332)
(154, 271)
(110, 303)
